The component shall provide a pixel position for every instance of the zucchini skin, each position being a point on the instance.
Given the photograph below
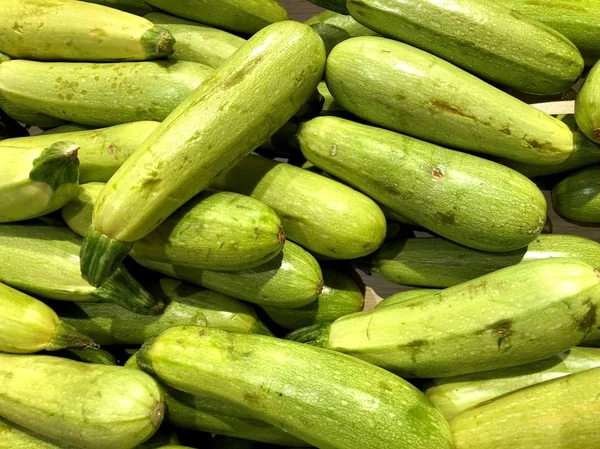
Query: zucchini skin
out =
(445, 191)
(404, 296)
(335, 28)
(101, 94)
(17, 437)
(90, 355)
(577, 197)
(587, 104)
(421, 95)
(28, 116)
(338, 6)
(137, 7)
(323, 215)
(60, 400)
(234, 368)
(560, 413)
(419, 262)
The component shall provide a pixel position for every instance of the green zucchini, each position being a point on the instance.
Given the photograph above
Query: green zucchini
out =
(559, 414)
(404, 89)
(404, 296)
(496, 321)
(215, 230)
(323, 215)
(110, 324)
(234, 368)
(17, 437)
(90, 355)
(454, 395)
(577, 197)
(292, 279)
(196, 42)
(338, 6)
(436, 262)
(586, 105)
(78, 31)
(4, 58)
(37, 181)
(66, 128)
(212, 130)
(87, 405)
(29, 325)
(340, 297)
(44, 261)
(335, 28)
(138, 7)
(28, 116)
(234, 15)
(503, 47)
(469, 200)
(330, 105)
(101, 152)
(593, 339)
(101, 94)
(161, 439)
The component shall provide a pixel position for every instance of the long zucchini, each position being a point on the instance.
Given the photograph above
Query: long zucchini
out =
(68, 127)
(587, 104)
(28, 116)
(469, 200)
(404, 89)
(321, 214)
(215, 230)
(90, 355)
(44, 261)
(404, 296)
(335, 28)
(87, 405)
(212, 130)
(101, 94)
(280, 380)
(496, 321)
(17, 437)
(338, 6)
(138, 7)
(577, 197)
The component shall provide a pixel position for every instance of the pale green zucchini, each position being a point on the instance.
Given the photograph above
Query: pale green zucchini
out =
(404, 296)
(215, 230)
(138, 7)
(496, 321)
(212, 130)
(330, 105)
(321, 214)
(402, 88)
(577, 197)
(28, 116)
(90, 355)
(17, 437)
(101, 94)
(335, 28)
(454, 395)
(44, 261)
(37, 181)
(87, 405)
(234, 368)
(561, 413)
(587, 104)
(101, 151)
(78, 31)
(196, 42)
(66, 128)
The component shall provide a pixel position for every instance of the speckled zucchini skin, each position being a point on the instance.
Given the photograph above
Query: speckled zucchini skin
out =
(587, 104)
(577, 197)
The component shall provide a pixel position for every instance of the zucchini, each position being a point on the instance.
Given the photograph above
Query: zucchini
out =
(37, 181)
(340, 297)
(508, 314)
(161, 439)
(44, 261)
(212, 130)
(89, 355)
(560, 413)
(322, 215)
(78, 31)
(469, 200)
(215, 230)
(28, 116)
(335, 28)
(29, 325)
(279, 380)
(593, 339)
(137, 7)
(101, 152)
(87, 405)
(453, 395)
(586, 105)
(4, 58)
(101, 94)
(503, 47)
(330, 105)
(338, 6)
(404, 89)
(234, 15)
(66, 128)
(435, 262)
(110, 324)
(404, 296)
(292, 279)
(17, 437)
(196, 42)
(577, 197)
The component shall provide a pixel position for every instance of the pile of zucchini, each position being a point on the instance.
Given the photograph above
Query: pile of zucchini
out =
(192, 193)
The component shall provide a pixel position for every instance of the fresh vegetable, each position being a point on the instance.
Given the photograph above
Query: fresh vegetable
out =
(138, 7)
(338, 6)
(577, 197)
(404, 296)
(330, 104)
(161, 439)
(66, 128)
(89, 355)
(335, 28)
(593, 339)
(17, 437)
(28, 116)
(586, 105)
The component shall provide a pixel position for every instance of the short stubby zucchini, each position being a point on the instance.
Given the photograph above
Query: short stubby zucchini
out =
(577, 197)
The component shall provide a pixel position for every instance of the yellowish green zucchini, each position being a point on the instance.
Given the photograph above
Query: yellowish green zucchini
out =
(17, 437)
(587, 103)
(138, 7)
(335, 28)
(577, 197)
(28, 116)
(404, 296)
(66, 128)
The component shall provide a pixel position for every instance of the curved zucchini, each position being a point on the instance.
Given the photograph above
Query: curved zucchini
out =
(234, 368)
(137, 7)
(404, 296)
(436, 262)
(577, 197)
(37, 181)
(421, 95)
(335, 28)
(340, 297)
(212, 130)
(496, 321)
(196, 42)
(44, 261)
(101, 151)
(321, 214)
(28, 116)
(469, 200)
(587, 104)
(215, 230)
(560, 413)
(101, 94)
(453, 395)
(87, 405)
(338, 6)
